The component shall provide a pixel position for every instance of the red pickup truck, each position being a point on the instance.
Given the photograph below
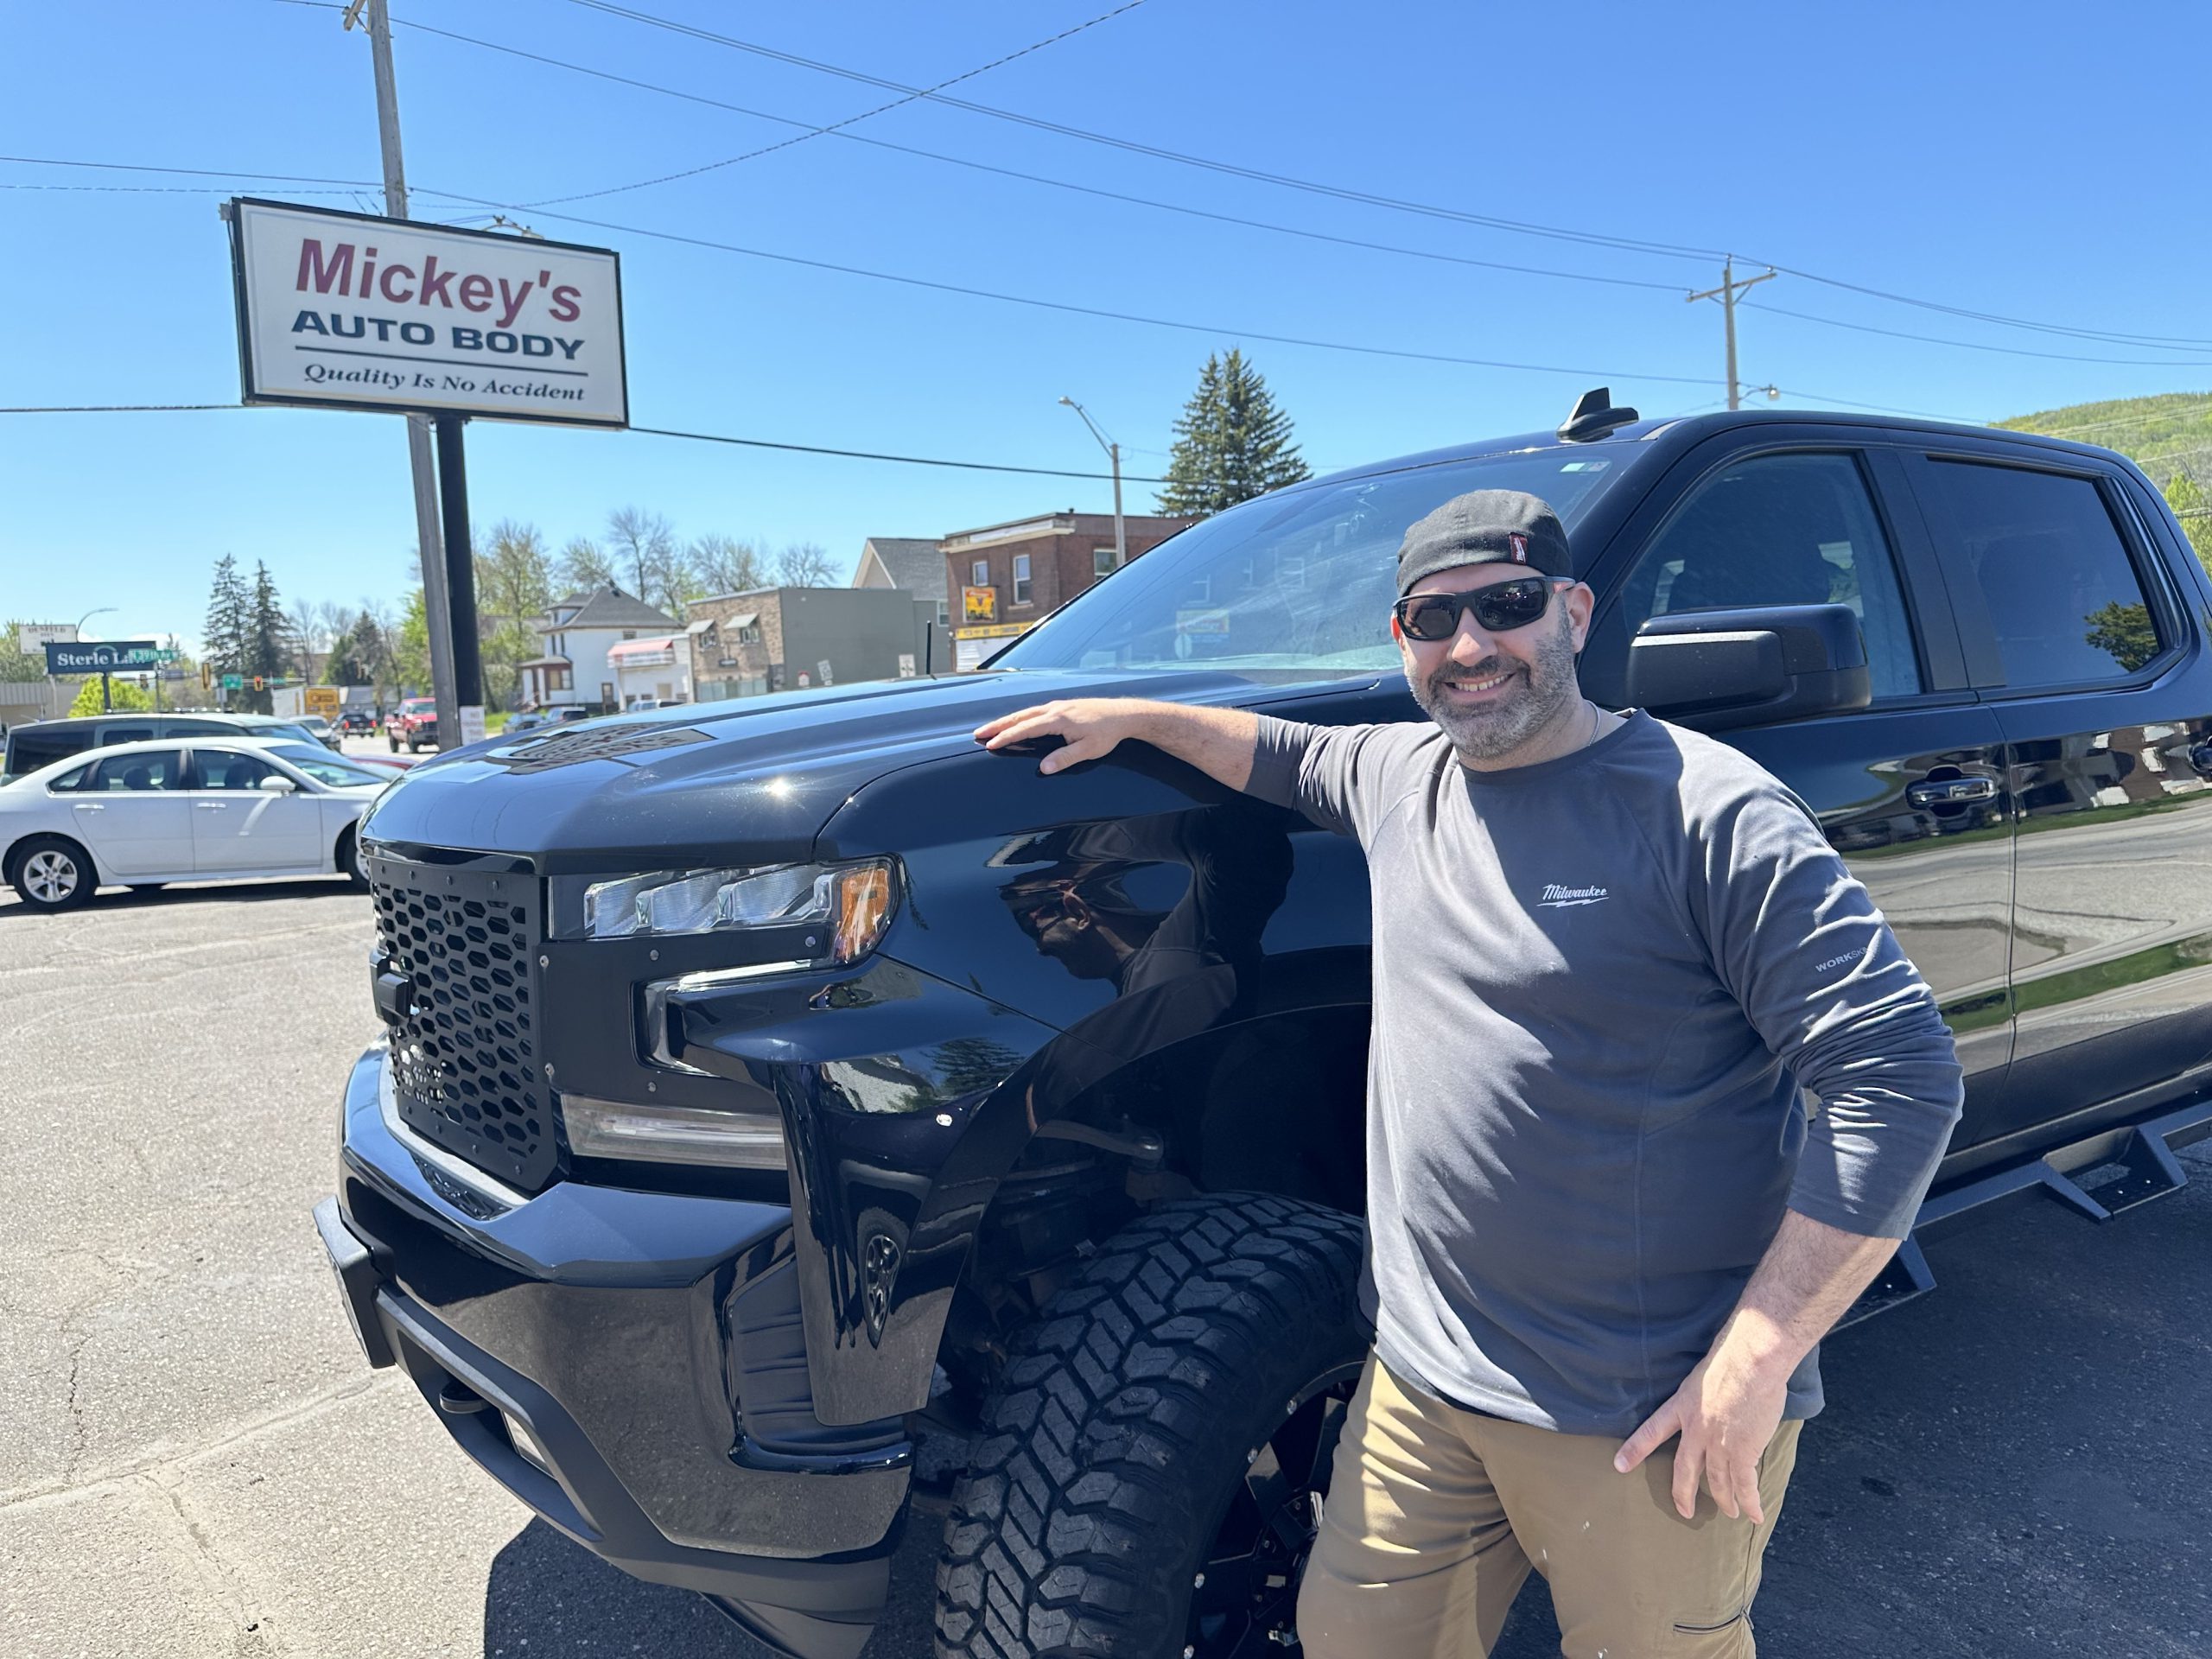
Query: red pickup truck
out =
(414, 724)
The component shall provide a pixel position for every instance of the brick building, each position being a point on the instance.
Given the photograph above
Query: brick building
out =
(1035, 565)
(782, 638)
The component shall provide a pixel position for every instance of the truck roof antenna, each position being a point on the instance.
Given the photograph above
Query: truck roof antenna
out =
(1594, 417)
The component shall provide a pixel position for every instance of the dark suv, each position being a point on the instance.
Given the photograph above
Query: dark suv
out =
(786, 1104)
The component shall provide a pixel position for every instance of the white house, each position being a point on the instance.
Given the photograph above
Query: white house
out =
(580, 667)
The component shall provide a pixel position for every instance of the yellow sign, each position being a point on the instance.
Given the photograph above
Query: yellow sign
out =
(324, 700)
(979, 604)
(997, 631)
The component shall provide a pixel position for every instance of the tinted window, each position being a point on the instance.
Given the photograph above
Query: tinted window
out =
(125, 733)
(2062, 595)
(1776, 529)
(30, 749)
(158, 770)
(195, 728)
(228, 769)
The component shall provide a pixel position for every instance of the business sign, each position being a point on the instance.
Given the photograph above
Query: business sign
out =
(29, 636)
(108, 656)
(979, 604)
(971, 645)
(352, 311)
(322, 700)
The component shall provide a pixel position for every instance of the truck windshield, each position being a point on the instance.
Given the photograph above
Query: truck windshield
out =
(1294, 586)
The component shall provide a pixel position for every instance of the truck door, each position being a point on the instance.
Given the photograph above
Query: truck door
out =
(2086, 644)
(1909, 790)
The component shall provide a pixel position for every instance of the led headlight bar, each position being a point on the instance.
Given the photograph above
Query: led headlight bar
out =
(851, 903)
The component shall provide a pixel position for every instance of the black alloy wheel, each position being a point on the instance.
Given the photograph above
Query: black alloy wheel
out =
(1244, 1602)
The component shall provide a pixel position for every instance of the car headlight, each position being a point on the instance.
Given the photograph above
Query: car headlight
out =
(851, 904)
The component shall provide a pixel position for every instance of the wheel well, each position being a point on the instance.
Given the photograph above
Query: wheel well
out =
(14, 851)
(1274, 1105)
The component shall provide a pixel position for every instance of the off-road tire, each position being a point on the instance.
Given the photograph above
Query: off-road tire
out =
(31, 885)
(1127, 1419)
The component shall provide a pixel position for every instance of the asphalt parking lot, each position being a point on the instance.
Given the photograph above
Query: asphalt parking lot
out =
(194, 1461)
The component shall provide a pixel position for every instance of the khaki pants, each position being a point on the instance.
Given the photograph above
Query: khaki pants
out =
(1435, 1515)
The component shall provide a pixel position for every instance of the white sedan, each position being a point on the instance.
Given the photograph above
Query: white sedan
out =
(194, 808)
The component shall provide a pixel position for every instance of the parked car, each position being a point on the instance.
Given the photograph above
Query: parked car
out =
(533, 719)
(319, 730)
(193, 809)
(837, 1088)
(42, 742)
(413, 725)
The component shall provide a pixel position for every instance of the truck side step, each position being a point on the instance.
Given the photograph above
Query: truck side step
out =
(2121, 1170)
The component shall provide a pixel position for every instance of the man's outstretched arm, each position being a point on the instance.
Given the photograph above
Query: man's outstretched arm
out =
(1220, 743)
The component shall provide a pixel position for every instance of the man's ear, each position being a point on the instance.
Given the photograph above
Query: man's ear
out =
(1397, 634)
(1580, 603)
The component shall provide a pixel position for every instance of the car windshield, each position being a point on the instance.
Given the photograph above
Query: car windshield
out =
(1292, 586)
(325, 767)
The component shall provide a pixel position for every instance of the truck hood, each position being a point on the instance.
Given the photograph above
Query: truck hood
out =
(747, 781)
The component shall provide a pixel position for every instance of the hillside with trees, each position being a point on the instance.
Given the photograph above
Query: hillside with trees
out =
(2169, 436)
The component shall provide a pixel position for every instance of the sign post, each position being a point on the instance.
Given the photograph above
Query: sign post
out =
(341, 310)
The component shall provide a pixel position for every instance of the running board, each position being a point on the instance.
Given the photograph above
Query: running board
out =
(2134, 1165)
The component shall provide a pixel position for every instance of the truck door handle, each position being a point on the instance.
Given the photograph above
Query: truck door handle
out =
(1952, 791)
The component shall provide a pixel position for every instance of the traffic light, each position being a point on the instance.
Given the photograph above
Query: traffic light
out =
(259, 683)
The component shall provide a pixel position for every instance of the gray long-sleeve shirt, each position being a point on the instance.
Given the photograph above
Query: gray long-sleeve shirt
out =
(1599, 983)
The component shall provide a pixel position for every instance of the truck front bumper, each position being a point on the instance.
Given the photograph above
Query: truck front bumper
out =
(628, 1363)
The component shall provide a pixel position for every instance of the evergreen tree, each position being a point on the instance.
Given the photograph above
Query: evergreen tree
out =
(230, 609)
(267, 654)
(1231, 441)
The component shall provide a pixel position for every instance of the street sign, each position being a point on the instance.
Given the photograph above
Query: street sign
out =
(233, 681)
(352, 311)
(29, 636)
(167, 656)
(323, 700)
(170, 674)
(104, 657)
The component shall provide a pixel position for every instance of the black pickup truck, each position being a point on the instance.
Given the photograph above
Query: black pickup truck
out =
(785, 1105)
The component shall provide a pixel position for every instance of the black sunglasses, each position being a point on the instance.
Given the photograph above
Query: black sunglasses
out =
(1499, 608)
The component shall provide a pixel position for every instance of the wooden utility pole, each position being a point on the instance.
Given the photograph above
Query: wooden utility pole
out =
(1730, 287)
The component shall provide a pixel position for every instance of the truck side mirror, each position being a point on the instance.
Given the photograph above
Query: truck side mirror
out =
(1718, 669)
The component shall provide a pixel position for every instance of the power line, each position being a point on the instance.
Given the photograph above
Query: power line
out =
(1005, 172)
(853, 120)
(1969, 345)
(2176, 342)
(1217, 329)
(2127, 420)
(1234, 169)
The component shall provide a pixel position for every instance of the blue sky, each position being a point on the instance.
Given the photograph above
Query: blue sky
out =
(2018, 159)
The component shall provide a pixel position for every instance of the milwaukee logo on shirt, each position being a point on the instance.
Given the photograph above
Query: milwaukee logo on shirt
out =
(1555, 896)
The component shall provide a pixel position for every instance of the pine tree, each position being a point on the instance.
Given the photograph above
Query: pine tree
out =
(267, 654)
(230, 609)
(1231, 441)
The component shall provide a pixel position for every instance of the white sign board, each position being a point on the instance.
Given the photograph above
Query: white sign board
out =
(349, 311)
(32, 636)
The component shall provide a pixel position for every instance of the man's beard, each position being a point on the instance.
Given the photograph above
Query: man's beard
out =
(1539, 692)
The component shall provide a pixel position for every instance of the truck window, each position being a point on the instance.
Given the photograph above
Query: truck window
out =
(2063, 597)
(1775, 530)
(28, 748)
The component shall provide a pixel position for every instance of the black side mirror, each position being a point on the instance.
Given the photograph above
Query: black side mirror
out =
(1716, 670)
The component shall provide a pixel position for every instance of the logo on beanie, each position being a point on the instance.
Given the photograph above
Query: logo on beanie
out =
(1519, 543)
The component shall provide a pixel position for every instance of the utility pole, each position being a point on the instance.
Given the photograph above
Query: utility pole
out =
(1726, 294)
(436, 588)
(1114, 455)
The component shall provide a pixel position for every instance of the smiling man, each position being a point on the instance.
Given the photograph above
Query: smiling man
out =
(1612, 959)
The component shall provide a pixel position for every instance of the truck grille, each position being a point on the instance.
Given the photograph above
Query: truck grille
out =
(457, 982)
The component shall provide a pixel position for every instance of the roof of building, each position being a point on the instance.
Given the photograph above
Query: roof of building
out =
(607, 607)
(910, 562)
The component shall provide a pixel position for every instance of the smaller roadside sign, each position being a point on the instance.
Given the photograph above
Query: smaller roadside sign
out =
(104, 657)
(167, 656)
(233, 681)
(323, 700)
(979, 604)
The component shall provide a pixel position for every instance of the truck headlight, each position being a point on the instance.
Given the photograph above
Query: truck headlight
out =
(852, 903)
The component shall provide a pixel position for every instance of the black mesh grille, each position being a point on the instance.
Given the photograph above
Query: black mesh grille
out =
(457, 953)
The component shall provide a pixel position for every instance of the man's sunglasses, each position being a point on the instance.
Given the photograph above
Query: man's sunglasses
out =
(1499, 608)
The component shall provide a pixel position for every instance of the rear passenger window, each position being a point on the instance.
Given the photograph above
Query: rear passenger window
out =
(159, 769)
(1776, 530)
(2062, 595)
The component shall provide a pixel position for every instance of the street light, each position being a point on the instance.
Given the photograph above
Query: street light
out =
(107, 695)
(1114, 455)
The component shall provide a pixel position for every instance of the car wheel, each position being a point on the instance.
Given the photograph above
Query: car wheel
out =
(53, 873)
(349, 859)
(1150, 1470)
